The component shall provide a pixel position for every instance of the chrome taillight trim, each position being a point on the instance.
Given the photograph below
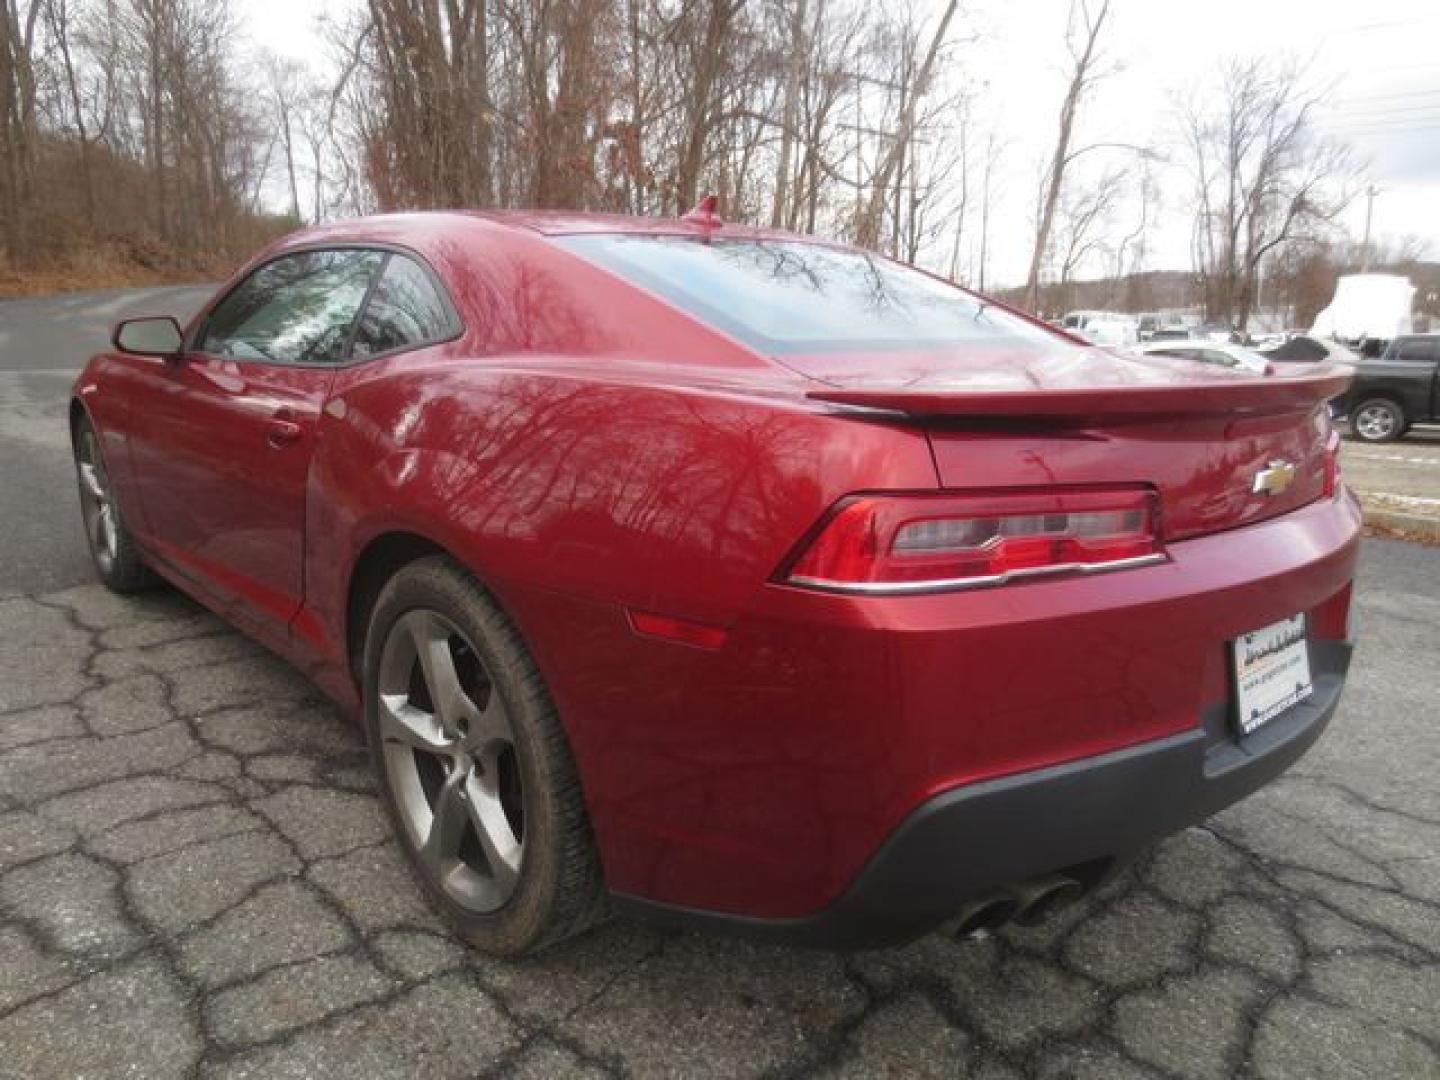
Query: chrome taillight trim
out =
(908, 588)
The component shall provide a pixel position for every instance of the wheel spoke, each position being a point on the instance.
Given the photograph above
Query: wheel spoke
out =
(489, 728)
(90, 477)
(107, 524)
(403, 723)
(437, 661)
(97, 531)
(447, 825)
(497, 839)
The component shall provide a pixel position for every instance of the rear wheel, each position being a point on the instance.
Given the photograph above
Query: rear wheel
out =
(1377, 420)
(474, 764)
(112, 549)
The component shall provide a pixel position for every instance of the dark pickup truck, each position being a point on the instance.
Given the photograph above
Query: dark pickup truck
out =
(1395, 390)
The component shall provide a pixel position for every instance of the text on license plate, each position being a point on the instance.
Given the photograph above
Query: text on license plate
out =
(1272, 671)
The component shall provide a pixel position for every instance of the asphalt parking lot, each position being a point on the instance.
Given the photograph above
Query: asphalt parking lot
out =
(195, 878)
(1401, 477)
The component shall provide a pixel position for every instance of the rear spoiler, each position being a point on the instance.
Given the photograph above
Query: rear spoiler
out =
(1243, 397)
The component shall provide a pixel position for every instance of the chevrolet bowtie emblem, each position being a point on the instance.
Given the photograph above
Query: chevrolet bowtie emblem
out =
(1273, 479)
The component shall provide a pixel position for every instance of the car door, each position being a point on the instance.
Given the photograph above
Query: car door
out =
(1405, 372)
(1424, 353)
(223, 445)
(1434, 413)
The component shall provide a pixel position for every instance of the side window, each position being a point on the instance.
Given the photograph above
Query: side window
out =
(297, 309)
(1416, 352)
(405, 309)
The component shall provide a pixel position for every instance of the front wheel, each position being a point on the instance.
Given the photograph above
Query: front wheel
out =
(474, 765)
(112, 549)
(1378, 420)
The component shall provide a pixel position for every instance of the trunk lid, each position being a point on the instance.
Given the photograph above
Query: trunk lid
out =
(1223, 448)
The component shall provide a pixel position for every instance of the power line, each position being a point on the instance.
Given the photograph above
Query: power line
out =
(1362, 131)
(1428, 92)
(1380, 111)
(1380, 121)
(1385, 25)
(1427, 66)
(1394, 129)
(1408, 123)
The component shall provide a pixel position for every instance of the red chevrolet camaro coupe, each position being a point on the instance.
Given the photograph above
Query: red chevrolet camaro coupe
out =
(728, 576)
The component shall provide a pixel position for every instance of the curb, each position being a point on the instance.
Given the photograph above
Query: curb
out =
(1397, 521)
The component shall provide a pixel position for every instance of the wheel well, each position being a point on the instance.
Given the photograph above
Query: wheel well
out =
(1365, 399)
(377, 564)
(77, 413)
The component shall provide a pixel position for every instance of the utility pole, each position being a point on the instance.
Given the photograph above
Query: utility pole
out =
(985, 211)
(1370, 194)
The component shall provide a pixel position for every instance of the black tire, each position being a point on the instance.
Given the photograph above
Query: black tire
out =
(113, 551)
(1377, 420)
(558, 890)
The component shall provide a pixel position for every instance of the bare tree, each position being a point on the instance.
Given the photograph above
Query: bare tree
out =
(706, 56)
(124, 128)
(59, 24)
(1131, 250)
(1263, 179)
(285, 80)
(993, 151)
(794, 75)
(1082, 39)
(833, 37)
(646, 105)
(912, 92)
(1083, 220)
(429, 140)
(18, 131)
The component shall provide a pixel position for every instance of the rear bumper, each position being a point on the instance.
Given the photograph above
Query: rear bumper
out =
(1094, 812)
(760, 780)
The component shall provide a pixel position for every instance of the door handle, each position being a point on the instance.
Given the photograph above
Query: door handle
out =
(283, 429)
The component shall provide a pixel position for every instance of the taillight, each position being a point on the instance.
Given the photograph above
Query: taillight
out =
(1332, 464)
(918, 543)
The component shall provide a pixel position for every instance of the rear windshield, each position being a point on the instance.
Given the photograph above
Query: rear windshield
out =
(792, 297)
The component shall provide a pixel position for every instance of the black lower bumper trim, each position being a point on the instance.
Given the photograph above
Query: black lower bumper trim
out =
(968, 841)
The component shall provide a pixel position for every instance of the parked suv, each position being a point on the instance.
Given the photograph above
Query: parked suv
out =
(1394, 390)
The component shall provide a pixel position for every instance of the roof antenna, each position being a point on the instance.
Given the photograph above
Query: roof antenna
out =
(704, 213)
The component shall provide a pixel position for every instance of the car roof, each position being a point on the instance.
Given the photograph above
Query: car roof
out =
(420, 224)
(567, 222)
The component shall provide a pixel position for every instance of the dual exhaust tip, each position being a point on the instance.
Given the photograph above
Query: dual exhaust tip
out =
(1025, 903)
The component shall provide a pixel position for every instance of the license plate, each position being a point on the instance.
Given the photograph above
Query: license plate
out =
(1272, 671)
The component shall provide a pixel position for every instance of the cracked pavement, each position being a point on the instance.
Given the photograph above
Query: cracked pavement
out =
(196, 880)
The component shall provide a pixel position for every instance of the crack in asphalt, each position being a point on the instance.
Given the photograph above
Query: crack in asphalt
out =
(196, 880)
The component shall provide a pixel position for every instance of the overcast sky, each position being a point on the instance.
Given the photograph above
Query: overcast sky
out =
(1380, 61)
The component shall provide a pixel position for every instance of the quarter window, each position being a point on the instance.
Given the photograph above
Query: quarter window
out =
(405, 310)
(297, 309)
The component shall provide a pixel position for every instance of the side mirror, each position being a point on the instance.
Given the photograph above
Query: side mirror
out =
(150, 336)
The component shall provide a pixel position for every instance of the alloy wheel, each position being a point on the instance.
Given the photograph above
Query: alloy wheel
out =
(450, 760)
(1375, 422)
(96, 505)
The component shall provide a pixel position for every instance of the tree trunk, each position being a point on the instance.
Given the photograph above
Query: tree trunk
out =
(711, 52)
(788, 112)
(1055, 176)
(867, 228)
(287, 143)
